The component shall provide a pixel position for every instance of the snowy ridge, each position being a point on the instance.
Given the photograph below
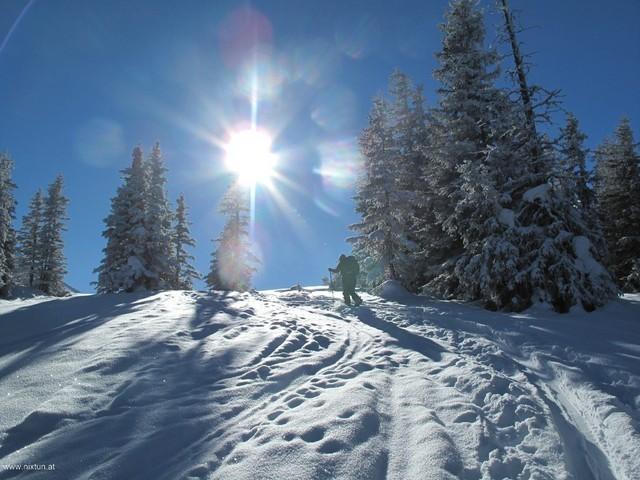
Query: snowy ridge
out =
(292, 384)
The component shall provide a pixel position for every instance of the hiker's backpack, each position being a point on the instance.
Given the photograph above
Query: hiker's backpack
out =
(351, 266)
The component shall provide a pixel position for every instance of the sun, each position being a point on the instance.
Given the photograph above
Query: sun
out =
(249, 155)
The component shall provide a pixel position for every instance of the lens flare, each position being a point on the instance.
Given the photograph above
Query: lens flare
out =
(242, 34)
(248, 154)
(335, 109)
(357, 37)
(340, 163)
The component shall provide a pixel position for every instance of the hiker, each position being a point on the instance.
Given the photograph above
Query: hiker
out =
(349, 269)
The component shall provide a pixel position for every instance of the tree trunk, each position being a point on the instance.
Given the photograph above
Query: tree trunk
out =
(525, 92)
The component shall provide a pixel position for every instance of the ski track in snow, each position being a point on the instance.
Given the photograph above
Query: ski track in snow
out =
(294, 385)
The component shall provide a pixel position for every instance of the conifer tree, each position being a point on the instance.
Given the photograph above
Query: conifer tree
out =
(405, 118)
(184, 273)
(53, 262)
(408, 125)
(390, 193)
(29, 242)
(558, 262)
(382, 204)
(123, 267)
(577, 181)
(423, 215)
(7, 232)
(618, 198)
(232, 262)
(574, 174)
(158, 220)
(488, 268)
(461, 183)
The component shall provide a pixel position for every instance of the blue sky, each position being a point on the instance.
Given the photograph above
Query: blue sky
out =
(84, 81)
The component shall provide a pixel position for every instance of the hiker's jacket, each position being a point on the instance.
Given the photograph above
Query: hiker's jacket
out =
(348, 267)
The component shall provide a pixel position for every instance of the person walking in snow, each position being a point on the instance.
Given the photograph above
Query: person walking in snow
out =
(349, 269)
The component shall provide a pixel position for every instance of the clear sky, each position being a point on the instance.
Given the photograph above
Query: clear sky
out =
(84, 81)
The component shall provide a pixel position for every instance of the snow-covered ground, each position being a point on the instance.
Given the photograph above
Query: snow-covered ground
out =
(294, 385)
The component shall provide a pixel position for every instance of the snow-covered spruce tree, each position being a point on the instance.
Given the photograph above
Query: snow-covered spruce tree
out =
(123, 267)
(573, 162)
(382, 238)
(487, 270)
(29, 251)
(7, 232)
(232, 262)
(557, 262)
(423, 216)
(618, 199)
(114, 260)
(408, 125)
(53, 263)
(577, 181)
(459, 176)
(184, 272)
(158, 221)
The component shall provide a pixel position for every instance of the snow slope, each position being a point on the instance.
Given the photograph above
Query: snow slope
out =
(293, 385)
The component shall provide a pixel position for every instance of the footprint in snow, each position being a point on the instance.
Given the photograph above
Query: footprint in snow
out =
(314, 434)
(273, 415)
(466, 417)
(283, 420)
(247, 435)
(264, 372)
(332, 446)
(295, 402)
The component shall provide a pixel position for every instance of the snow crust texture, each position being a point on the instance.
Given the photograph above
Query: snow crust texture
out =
(294, 385)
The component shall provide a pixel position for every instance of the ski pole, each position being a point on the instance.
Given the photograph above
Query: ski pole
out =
(331, 283)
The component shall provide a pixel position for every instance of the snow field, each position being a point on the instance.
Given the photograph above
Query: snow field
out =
(292, 384)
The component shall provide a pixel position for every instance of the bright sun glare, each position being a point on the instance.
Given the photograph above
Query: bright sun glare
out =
(249, 155)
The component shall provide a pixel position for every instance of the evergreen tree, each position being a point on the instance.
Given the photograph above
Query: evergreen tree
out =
(405, 118)
(7, 232)
(232, 263)
(158, 221)
(423, 219)
(574, 174)
(557, 262)
(184, 273)
(53, 263)
(463, 196)
(488, 268)
(30, 244)
(618, 198)
(113, 260)
(576, 181)
(382, 239)
(408, 125)
(123, 267)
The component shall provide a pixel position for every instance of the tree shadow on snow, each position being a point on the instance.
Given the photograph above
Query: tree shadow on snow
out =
(405, 338)
(611, 330)
(39, 329)
(174, 379)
